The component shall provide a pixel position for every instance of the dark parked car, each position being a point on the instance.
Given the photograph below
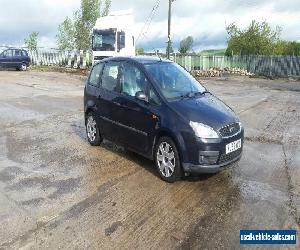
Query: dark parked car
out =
(157, 109)
(15, 58)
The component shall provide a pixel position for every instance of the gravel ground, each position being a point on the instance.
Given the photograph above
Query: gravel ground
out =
(56, 191)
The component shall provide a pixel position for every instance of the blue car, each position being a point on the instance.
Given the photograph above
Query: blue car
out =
(14, 58)
(156, 108)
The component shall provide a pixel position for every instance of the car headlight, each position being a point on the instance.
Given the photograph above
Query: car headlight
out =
(203, 131)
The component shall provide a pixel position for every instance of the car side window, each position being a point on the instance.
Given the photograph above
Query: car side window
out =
(17, 52)
(95, 75)
(7, 53)
(153, 98)
(132, 79)
(109, 80)
(24, 53)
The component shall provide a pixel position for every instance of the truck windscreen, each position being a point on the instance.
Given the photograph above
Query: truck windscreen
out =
(104, 40)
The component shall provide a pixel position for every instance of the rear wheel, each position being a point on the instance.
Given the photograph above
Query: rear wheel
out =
(92, 130)
(167, 160)
(23, 67)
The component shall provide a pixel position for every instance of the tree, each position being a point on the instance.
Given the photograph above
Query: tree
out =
(31, 41)
(105, 9)
(76, 33)
(186, 45)
(139, 51)
(256, 39)
(65, 36)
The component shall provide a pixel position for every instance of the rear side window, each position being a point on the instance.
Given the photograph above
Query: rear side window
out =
(8, 53)
(24, 53)
(110, 76)
(95, 74)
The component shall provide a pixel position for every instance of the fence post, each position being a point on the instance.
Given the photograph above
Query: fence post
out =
(271, 65)
(70, 57)
(83, 60)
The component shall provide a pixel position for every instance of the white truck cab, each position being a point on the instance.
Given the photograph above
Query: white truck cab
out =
(113, 36)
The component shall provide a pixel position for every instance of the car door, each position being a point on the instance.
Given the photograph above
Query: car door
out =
(136, 116)
(91, 88)
(16, 58)
(2, 56)
(6, 58)
(107, 101)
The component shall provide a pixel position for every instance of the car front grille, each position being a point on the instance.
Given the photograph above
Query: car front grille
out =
(229, 157)
(230, 130)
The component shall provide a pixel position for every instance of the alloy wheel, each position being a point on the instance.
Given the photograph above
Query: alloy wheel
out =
(165, 159)
(91, 128)
(23, 67)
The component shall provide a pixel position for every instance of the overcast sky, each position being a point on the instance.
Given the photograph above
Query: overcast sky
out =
(205, 20)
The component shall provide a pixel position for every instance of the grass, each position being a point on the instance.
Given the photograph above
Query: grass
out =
(45, 68)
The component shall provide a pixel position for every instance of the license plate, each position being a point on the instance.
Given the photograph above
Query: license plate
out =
(233, 146)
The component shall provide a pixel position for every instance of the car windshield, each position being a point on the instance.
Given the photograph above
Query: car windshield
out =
(104, 40)
(174, 82)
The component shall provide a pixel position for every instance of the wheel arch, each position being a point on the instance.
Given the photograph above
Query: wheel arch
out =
(177, 138)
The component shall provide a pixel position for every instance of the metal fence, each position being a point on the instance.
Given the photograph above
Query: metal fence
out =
(259, 65)
(71, 59)
(54, 57)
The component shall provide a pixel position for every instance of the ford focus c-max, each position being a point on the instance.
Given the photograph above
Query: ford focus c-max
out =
(157, 109)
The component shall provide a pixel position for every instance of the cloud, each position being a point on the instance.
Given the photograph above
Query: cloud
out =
(205, 20)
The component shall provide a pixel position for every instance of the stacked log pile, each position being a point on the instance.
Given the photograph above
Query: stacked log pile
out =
(218, 72)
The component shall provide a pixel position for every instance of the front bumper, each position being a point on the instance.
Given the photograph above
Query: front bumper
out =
(209, 156)
(191, 168)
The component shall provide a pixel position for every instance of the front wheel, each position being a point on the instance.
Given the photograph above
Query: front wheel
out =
(92, 130)
(167, 160)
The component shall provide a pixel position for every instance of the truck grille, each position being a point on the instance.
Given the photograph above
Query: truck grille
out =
(98, 58)
(230, 129)
(230, 156)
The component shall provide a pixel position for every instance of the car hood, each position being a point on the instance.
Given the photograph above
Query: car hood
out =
(206, 109)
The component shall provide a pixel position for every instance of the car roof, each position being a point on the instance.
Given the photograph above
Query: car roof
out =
(16, 49)
(138, 59)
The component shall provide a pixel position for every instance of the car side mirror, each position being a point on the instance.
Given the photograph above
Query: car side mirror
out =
(140, 95)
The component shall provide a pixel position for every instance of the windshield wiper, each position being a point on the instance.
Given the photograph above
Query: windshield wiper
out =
(187, 95)
(201, 93)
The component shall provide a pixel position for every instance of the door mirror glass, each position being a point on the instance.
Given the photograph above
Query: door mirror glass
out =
(140, 95)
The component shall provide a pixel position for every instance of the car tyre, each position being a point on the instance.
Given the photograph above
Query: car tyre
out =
(23, 67)
(167, 160)
(92, 130)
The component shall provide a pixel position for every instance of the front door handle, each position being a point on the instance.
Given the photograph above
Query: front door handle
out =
(116, 103)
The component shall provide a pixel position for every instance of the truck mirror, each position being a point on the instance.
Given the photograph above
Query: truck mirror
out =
(121, 40)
